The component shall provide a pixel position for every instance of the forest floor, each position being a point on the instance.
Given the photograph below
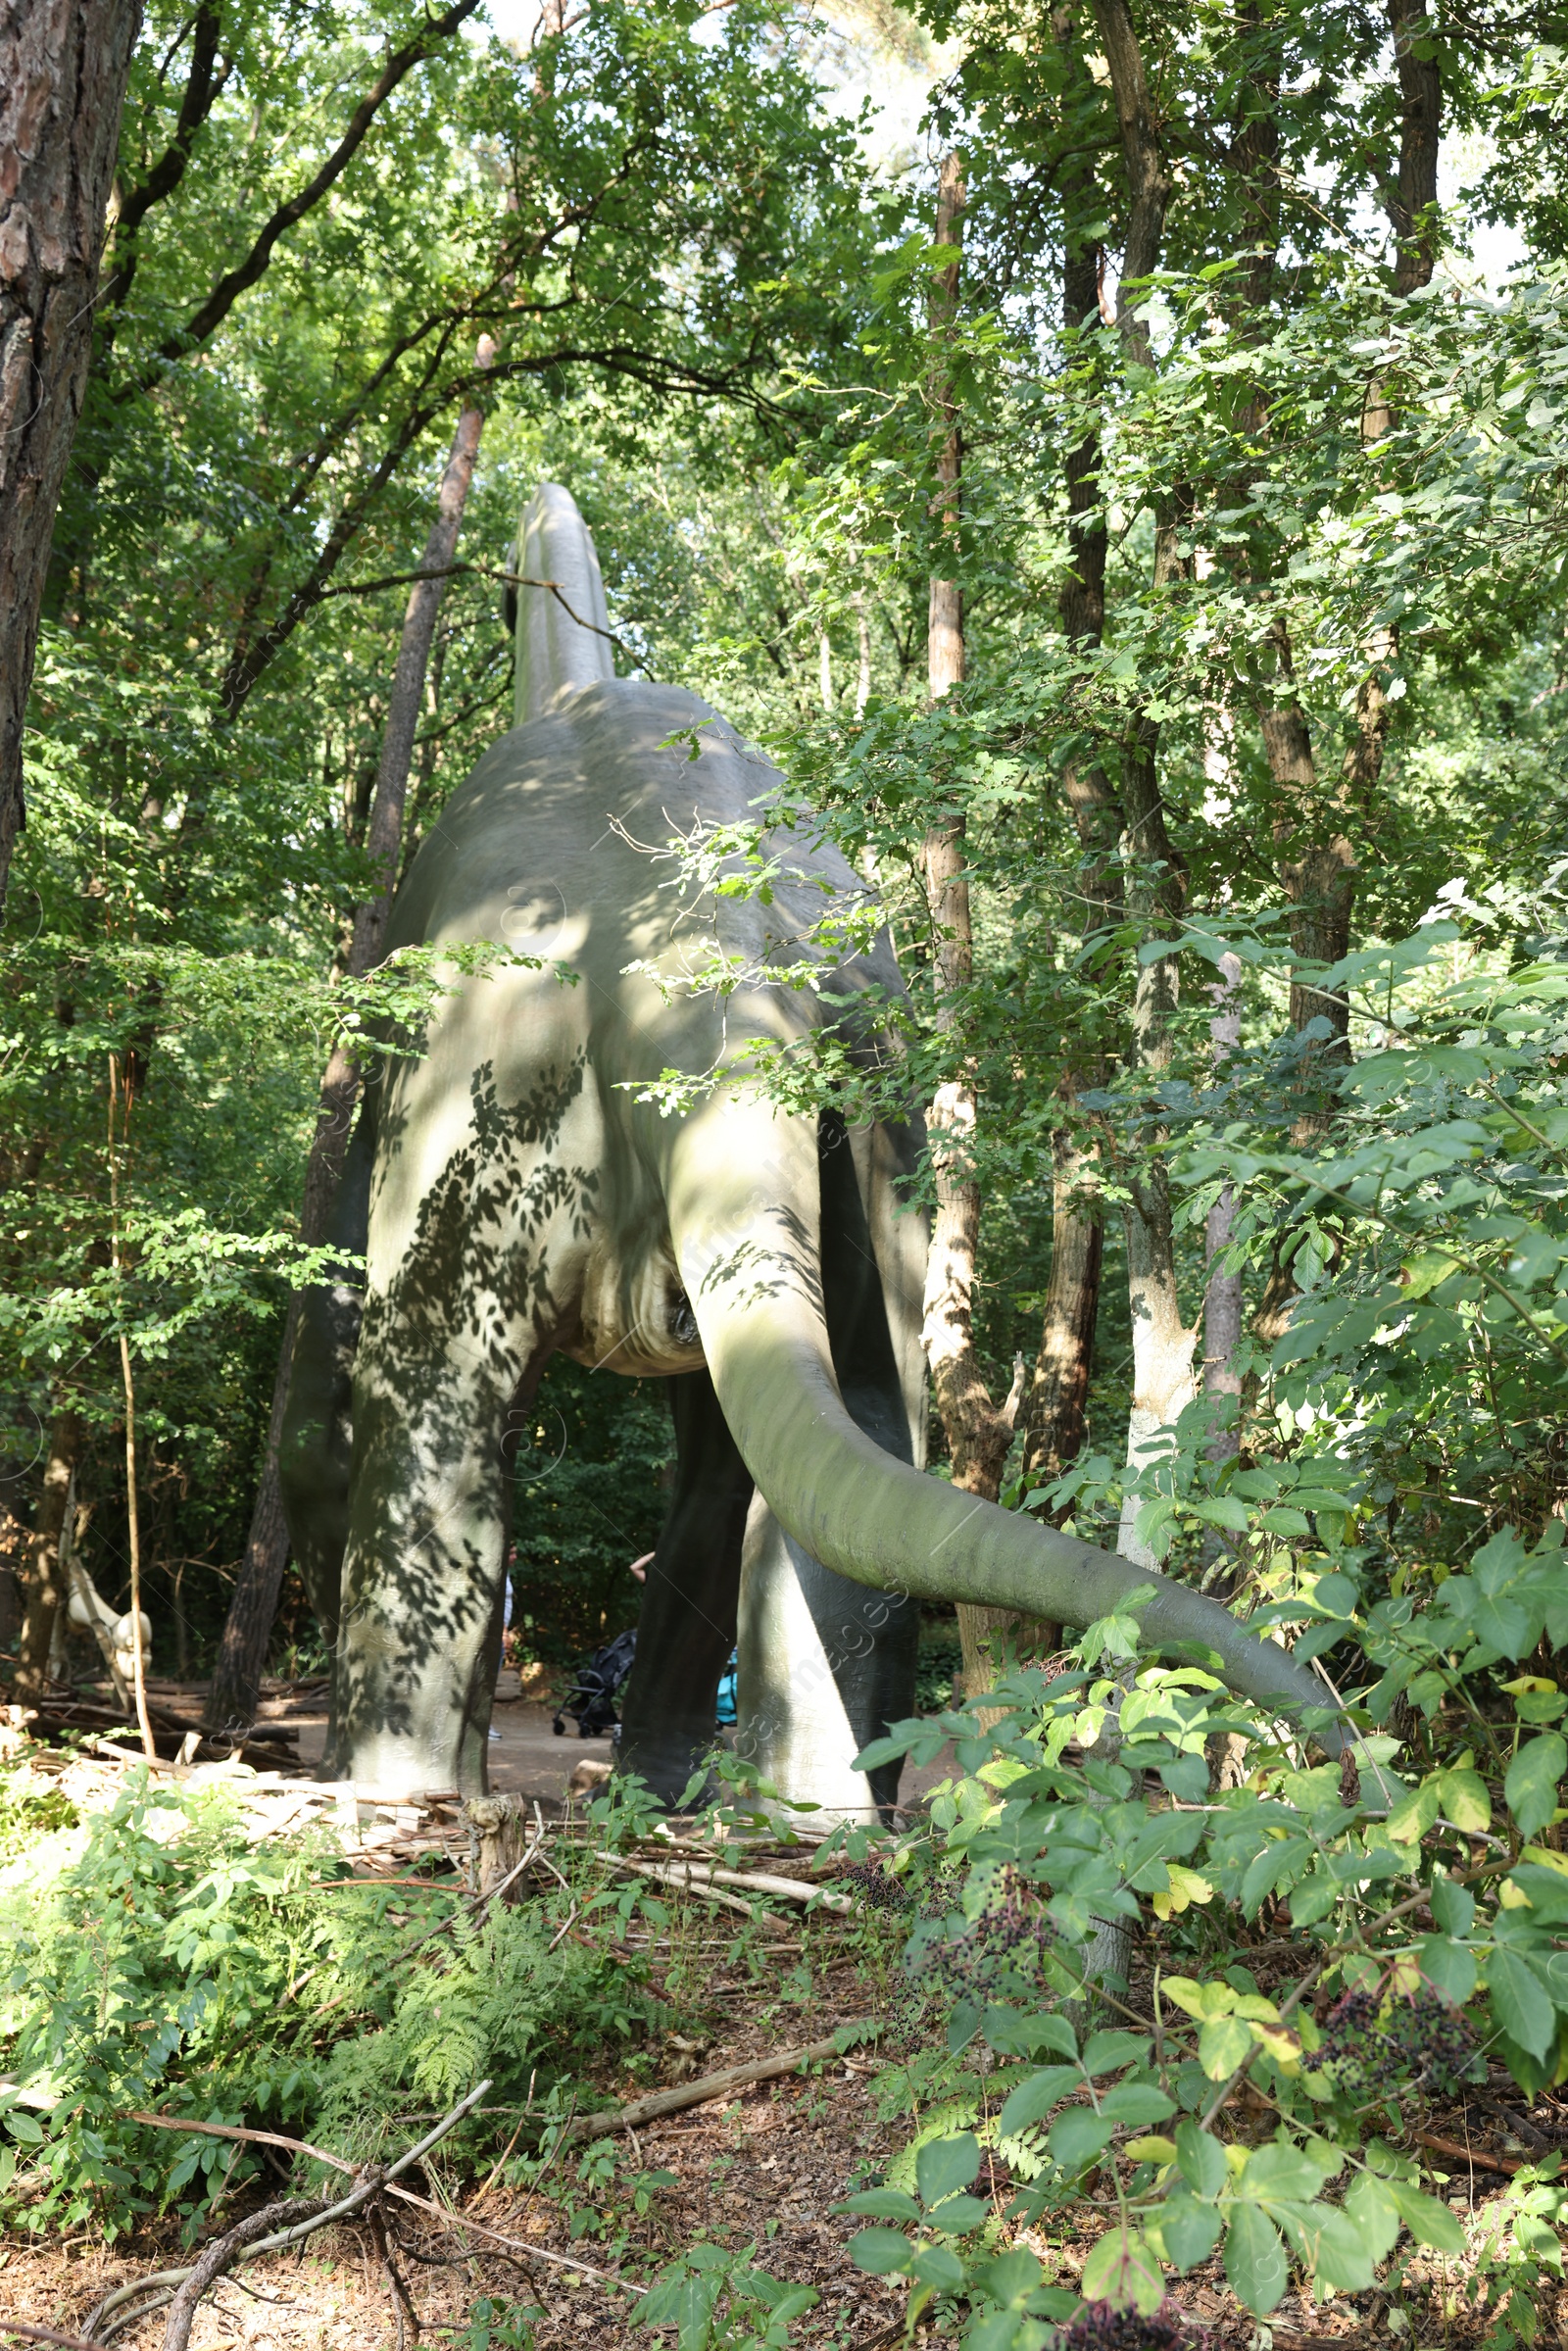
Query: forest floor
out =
(755, 2173)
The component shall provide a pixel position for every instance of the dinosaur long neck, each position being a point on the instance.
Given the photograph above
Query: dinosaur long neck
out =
(563, 628)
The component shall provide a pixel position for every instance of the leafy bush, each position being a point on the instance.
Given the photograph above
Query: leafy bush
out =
(1426, 1940)
(165, 1970)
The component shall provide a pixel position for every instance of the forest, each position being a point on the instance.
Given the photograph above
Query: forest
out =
(1113, 461)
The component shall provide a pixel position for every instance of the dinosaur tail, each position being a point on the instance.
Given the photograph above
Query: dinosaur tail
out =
(563, 623)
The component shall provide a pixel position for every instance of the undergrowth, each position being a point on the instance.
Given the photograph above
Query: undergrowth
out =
(174, 1967)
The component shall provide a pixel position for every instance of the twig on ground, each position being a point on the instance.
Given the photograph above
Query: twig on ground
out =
(706, 2087)
(221, 2254)
(239, 2244)
(1471, 2155)
(44, 2334)
(261, 2138)
(763, 1882)
(684, 1881)
(513, 2244)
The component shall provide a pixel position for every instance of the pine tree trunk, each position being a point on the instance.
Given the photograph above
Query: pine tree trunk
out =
(242, 1652)
(63, 70)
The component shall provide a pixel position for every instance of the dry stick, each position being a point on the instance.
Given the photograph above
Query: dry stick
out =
(706, 2087)
(764, 1882)
(561, 2261)
(46, 2334)
(371, 2186)
(261, 2138)
(258, 2225)
(149, 1745)
(1469, 2155)
(685, 1883)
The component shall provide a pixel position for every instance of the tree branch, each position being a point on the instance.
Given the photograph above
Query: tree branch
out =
(223, 296)
(1149, 183)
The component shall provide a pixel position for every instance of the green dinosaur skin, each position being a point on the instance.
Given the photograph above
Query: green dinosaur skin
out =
(513, 1196)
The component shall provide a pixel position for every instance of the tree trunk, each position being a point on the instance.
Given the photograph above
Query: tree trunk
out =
(978, 1435)
(63, 70)
(46, 1590)
(1222, 1292)
(242, 1653)
(1059, 1393)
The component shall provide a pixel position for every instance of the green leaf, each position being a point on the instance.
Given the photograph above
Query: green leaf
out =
(944, 2166)
(1051, 2031)
(1282, 1519)
(1255, 2259)
(1200, 2158)
(1034, 2098)
(1280, 2173)
(1449, 1965)
(1520, 2001)
(939, 2266)
(1011, 2277)
(1531, 1786)
(1429, 2222)
(1374, 2213)
(882, 2204)
(1313, 1898)
(1413, 1815)
(955, 2216)
(1189, 2231)
(995, 2330)
(1338, 2250)
(1453, 1906)
(1464, 1800)
(1077, 2136)
(1122, 2270)
(884, 2252)
(1107, 2052)
(1223, 2045)
(1137, 2103)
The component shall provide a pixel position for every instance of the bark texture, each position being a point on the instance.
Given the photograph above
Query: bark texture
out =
(1059, 1391)
(242, 1652)
(978, 1435)
(45, 1585)
(63, 70)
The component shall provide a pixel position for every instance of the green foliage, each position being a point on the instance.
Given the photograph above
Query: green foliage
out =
(590, 1495)
(1033, 1863)
(161, 1965)
(721, 2301)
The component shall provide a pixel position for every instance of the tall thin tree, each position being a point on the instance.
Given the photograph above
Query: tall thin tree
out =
(978, 1434)
(237, 1676)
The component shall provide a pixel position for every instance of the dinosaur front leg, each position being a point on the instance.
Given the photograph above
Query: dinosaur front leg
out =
(418, 1642)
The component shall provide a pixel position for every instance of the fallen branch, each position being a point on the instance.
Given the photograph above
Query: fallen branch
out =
(236, 2246)
(221, 2255)
(260, 2139)
(46, 2334)
(706, 2087)
(1470, 2155)
(685, 1882)
(764, 1882)
(513, 2244)
(405, 2196)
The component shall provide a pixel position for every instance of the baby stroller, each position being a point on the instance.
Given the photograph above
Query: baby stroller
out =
(591, 1699)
